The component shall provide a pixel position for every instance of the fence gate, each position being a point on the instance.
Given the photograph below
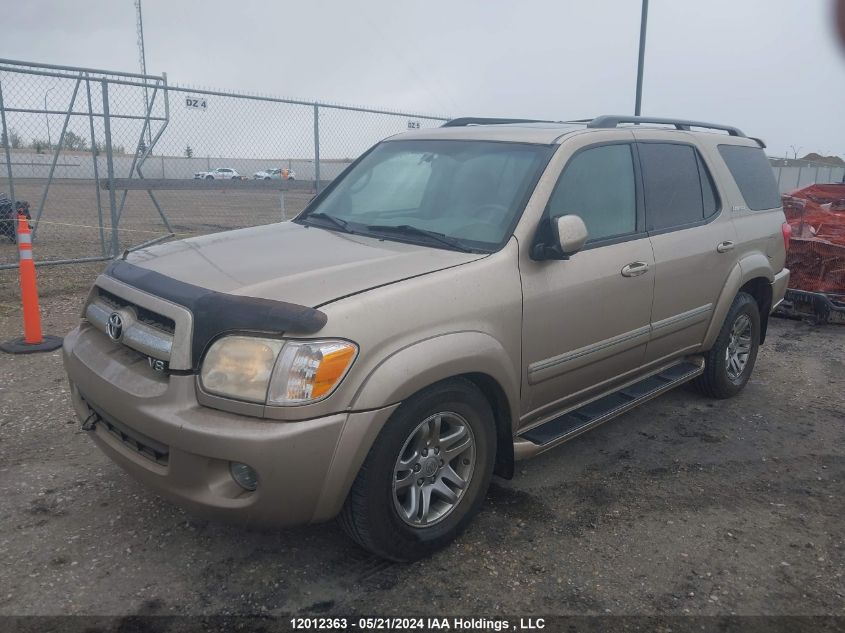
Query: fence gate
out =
(66, 134)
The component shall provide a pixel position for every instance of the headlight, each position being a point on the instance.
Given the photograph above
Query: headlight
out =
(274, 371)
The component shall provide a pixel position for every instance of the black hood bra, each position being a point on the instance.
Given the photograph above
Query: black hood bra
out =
(217, 313)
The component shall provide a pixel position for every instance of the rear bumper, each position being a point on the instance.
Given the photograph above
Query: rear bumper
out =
(779, 286)
(153, 427)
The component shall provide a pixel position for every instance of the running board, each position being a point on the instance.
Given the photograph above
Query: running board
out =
(609, 406)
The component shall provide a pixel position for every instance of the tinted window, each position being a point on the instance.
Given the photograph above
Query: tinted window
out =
(753, 175)
(672, 185)
(598, 185)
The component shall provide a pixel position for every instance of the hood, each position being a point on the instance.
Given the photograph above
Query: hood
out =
(290, 262)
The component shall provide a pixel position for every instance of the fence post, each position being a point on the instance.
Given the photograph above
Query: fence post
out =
(95, 159)
(6, 145)
(115, 242)
(316, 148)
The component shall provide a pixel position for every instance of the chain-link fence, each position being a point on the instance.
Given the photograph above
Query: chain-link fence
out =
(110, 161)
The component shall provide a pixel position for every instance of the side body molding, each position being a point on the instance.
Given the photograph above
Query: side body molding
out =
(412, 368)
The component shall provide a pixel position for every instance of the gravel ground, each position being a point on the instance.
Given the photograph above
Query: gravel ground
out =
(684, 506)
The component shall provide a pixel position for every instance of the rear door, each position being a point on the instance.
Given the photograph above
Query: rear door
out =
(692, 238)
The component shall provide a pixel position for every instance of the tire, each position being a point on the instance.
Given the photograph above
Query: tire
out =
(721, 378)
(377, 517)
(209, 177)
(266, 177)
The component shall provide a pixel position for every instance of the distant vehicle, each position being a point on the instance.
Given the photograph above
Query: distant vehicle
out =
(221, 173)
(275, 174)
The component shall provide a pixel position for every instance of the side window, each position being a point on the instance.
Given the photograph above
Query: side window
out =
(598, 185)
(753, 175)
(671, 184)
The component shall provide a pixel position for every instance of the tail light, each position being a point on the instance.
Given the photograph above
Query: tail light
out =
(786, 229)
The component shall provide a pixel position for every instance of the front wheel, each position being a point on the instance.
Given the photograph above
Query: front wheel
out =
(728, 365)
(426, 475)
(209, 177)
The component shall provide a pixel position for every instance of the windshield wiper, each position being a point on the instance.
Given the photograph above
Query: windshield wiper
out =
(407, 229)
(343, 225)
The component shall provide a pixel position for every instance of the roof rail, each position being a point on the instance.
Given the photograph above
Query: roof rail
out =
(471, 120)
(613, 120)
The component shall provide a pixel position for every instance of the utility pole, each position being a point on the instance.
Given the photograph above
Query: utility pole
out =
(643, 22)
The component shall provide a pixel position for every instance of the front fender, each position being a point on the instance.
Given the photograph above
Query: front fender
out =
(428, 361)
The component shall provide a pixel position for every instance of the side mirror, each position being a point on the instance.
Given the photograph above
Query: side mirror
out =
(571, 234)
(568, 234)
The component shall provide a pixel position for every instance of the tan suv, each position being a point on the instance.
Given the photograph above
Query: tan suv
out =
(459, 299)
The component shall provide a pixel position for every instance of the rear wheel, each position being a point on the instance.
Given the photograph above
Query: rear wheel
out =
(426, 475)
(728, 365)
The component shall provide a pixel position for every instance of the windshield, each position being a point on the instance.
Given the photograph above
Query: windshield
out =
(471, 192)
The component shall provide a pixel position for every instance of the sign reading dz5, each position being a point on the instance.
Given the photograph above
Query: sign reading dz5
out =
(196, 103)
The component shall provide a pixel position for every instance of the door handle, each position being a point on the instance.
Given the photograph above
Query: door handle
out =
(634, 269)
(725, 246)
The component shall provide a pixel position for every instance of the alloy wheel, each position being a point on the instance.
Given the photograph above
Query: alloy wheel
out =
(434, 469)
(739, 346)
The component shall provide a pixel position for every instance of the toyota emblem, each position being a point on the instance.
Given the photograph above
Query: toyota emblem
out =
(114, 327)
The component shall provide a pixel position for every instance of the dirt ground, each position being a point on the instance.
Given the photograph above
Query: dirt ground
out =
(684, 506)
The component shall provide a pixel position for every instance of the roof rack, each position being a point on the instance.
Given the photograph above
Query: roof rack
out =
(613, 120)
(471, 120)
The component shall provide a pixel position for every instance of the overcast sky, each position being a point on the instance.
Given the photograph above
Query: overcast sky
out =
(771, 67)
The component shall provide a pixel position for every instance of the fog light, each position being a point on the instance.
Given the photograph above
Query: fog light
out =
(245, 475)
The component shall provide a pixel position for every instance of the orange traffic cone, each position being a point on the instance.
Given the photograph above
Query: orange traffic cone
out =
(33, 340)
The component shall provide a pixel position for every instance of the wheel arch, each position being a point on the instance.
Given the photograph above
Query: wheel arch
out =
(500, 406)
(359, 438)
(761, 289)
(751, 274)
(472, 355)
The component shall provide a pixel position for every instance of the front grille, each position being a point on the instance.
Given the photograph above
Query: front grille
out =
(139, 328)
(148, 317)
(138, 442)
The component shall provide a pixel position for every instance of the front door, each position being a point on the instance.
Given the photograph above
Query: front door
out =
(586, 319)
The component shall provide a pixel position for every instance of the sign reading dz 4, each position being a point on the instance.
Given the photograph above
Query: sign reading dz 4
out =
(196, 103)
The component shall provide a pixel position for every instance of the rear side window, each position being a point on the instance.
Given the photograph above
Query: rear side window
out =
(753, 175)
(672, 183)
(598, 185)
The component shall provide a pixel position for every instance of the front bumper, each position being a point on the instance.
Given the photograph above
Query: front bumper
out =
(153, 427)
